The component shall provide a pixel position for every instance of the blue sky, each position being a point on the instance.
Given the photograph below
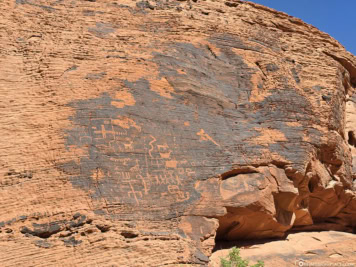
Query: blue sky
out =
(337, 18)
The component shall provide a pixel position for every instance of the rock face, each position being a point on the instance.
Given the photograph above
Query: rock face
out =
(136, 133)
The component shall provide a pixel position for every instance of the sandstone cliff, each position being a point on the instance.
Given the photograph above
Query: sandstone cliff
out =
(137, 133)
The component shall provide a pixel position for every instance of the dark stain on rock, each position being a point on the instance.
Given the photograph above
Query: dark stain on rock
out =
(42, 243)
(200, 257)
(47, 8)
(272, 67)
(231, 4)
(326, 98)
(42, 230)
(71, 242)
(102, 29)
(228, 41)
(24, 2)
(9, 222)
(144, 5)
(295, 75)
(74, 67)
(267, 39)
(78, 220)
(70, 167)
(203, 81)
(22, 218)
(88, 13)
(95, 76)
(13, 220)
(140, 158)
(318, 88)
(145, 164)
(46, 230)
(21, 174)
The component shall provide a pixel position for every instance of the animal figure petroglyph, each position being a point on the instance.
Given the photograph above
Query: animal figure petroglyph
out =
(128, 146)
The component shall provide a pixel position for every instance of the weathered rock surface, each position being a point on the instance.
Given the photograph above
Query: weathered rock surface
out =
(328, 248)
(135, 133)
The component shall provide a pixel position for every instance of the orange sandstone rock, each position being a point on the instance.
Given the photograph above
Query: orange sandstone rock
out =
(136, 133)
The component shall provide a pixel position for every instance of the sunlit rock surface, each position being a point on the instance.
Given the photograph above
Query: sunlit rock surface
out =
(140, 133)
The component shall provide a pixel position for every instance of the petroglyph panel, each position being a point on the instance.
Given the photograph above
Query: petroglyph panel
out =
(146, 150)
(136, 168)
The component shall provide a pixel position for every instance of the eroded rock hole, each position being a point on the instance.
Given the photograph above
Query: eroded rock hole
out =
(229, 225)
(235, 229)
(312, 184)
(232, 233)
(129, 234)
(240, 170)
(240, 227)
(103, 228)
(352, 138)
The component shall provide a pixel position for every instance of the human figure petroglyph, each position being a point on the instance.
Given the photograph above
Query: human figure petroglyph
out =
(157, 172)
(105, 128)
(104, 133)
(134, 193)
(146, 184)
(205, 137)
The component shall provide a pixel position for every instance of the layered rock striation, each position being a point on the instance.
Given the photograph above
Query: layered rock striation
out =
(138, 133)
